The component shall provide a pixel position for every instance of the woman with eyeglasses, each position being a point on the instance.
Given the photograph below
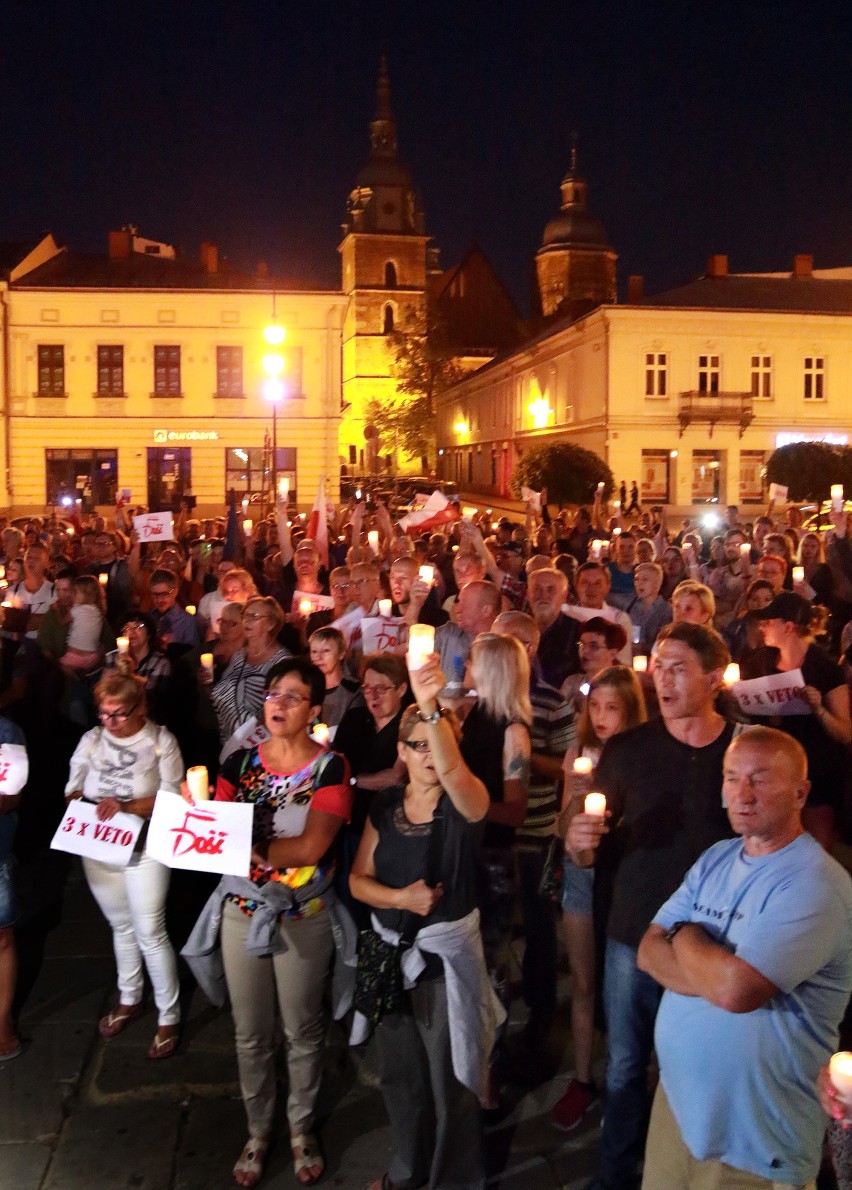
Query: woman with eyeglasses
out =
(120, 766)
(144, 659)
(302, 798)
(237, 697)
(415, 868)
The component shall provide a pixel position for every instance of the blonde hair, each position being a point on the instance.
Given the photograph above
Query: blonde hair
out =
(703, 594)
(625, 684)
(90, 591)
(270, 606)
(502, 662)
(124, 688)
(811, 537)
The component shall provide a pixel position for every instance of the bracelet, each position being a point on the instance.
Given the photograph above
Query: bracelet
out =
(432, 719)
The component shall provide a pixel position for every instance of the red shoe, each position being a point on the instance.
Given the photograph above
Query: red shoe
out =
(573, 1105)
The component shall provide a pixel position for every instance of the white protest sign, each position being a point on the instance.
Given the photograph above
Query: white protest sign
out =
(348, 622)
(154, 526)
(209, 837)
(384, 634)
(248, 735)
(778, 493)
(14, 769)
(82, 833)
(531, 497)
(778, 694)
(588, 613)
(319, 603)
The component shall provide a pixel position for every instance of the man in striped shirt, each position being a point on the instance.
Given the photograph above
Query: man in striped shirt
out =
(551, 733)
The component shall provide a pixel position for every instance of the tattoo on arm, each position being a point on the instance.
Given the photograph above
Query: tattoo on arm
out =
(519, 768)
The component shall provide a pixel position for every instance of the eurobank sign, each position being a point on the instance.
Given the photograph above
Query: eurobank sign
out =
(162, 436)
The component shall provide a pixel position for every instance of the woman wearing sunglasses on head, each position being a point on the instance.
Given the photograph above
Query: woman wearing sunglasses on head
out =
(120, 766)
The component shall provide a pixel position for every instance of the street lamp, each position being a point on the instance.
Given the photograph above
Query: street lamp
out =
(273, 364)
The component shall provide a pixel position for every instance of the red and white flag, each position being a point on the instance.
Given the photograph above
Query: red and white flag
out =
(436, 511)
(317, 526)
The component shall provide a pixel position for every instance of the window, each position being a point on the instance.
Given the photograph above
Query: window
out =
(229, 372)
(249, 471)
(753, 476)
(387, 325)
(390, 275)
(655, 476)
(656, 374)
(110, 371)
(814, 378)
(90, 476)
(51, 371)
(167, 372)
(706, 476)
(708, 373)
(761, 375)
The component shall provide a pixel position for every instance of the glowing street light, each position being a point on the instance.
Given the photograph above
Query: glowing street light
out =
(273, 364)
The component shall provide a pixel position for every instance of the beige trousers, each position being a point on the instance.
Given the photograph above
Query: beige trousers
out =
(295, 980)
(669, 1165)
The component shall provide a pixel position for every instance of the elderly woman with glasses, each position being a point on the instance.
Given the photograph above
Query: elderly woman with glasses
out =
(120, 766)
(238, 695)
(436, 1018)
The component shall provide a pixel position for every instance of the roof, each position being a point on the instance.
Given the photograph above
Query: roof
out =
(12, 252)
(92, 270)
(756, 291)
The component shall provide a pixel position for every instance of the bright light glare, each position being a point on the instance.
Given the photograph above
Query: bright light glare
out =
(462, 429)
(273, 390)
(712, 521)
(273, 364)
(274, 334)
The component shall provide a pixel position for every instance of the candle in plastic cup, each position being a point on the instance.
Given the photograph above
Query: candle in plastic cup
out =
(731, 674)
(745, 549)
(305, 607)
(427, 573)
(798, 574)
(595, 803)
(617, 505)
(190, 608)
(597, 546)
(840, 1073)
(495, 525)
(421, 644)
(373, 540)
(385, 607)
(103, 579)
(583, 766)
(469, 513)
(123, 643)
(198, 782)
(207, 661)
(837, 497)
(247, 526)
(320, 733)
(2, 571)
(616, 531)
(284, 487)
(601, 486)
(245, 504)
(640, 663)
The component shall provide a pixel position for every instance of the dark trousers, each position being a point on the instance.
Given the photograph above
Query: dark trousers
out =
(436, 1124)
(539, 918)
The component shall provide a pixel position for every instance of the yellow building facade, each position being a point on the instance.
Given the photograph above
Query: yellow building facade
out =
(134, 372)
(688, 393)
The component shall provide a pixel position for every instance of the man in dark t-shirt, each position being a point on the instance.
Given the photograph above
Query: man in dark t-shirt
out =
(663, 785)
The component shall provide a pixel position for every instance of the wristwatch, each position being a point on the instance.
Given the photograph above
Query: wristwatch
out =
(437, 714)
(675, 929)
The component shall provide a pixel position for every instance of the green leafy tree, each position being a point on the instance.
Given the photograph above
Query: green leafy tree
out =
(423, 366)
(809, 469)
(570, 473)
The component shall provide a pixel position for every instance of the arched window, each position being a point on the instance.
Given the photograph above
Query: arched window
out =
(390, 275)
(388, 321)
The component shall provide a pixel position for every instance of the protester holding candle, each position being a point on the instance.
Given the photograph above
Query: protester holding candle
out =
(615, 703)
(743, 635)
(327, 648)
(237, 696)
(120, 766)
(144, 659)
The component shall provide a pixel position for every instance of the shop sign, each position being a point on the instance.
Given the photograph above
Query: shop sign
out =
(163, 436)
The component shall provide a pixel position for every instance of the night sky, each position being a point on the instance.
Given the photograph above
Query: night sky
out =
(704, 126)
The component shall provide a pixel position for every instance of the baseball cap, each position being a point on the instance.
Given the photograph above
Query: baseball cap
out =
(788, 606)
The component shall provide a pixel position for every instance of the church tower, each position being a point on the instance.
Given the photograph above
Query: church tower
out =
(384, 262)
(575, 263)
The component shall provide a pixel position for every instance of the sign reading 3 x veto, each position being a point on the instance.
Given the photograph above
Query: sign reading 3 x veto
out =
(164, 436)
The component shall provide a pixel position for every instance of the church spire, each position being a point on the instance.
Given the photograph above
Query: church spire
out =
(383, 125)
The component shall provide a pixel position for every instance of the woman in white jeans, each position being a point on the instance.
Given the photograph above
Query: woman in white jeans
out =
(120, 766)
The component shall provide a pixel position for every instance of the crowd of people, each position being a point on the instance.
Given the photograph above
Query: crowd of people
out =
(414, 816)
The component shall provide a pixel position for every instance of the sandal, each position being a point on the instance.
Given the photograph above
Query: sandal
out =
(384, 1183)
(307, 1156)
(163, 1047)
(251, 1161)
(117, 1021)
(15, 1052)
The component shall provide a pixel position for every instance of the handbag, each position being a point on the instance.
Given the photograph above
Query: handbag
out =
(550, 884)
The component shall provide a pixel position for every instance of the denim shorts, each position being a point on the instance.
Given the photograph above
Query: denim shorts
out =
(8, 900)
(577, 886)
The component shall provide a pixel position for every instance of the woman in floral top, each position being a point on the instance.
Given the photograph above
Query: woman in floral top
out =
(302, 798)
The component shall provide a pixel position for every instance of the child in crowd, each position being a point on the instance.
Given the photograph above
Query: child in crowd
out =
(87, 621)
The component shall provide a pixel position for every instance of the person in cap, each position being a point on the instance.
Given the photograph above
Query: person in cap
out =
(825, 729)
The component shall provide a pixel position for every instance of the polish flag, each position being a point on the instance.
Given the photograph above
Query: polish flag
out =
(317, 526)
(436, 511)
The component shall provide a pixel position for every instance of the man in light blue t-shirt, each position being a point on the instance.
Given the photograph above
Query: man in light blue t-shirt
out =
(755, 951)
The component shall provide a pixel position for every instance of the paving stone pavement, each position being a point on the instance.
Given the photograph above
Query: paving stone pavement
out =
(81, 1113)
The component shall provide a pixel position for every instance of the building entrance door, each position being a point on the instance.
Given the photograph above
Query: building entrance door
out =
(169, 477)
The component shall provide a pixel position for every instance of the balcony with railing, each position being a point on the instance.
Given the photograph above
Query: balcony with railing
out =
(715, 408)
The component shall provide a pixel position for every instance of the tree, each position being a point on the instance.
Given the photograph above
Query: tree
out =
(423, 366)
(809, 469)
(570, 473)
